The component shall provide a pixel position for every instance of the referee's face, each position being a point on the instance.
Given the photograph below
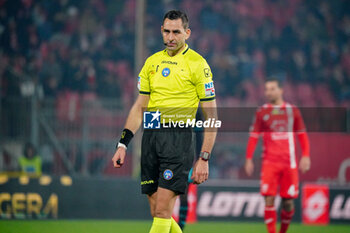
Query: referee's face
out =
(174, 35)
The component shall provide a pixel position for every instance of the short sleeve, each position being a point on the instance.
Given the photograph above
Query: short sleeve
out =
(256, 128)
(299, 125)
(143, 80)
(203, 80)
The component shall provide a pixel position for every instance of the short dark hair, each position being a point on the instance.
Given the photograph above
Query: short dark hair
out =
(274, 79)
(176, 14)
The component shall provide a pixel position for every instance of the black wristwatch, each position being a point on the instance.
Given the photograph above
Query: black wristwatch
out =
(204, 155)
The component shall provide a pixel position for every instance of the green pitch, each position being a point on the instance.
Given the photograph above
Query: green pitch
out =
(99, 226)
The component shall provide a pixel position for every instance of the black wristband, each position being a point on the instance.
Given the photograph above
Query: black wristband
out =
(126, 137)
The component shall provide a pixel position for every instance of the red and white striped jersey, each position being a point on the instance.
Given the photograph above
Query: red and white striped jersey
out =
(277, 125)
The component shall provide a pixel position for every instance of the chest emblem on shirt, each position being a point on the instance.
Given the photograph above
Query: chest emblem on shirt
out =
(266, 117)
(277, 111)
(165, 72)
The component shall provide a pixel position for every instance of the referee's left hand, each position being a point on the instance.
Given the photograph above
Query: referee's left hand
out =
(119, 156)
(200, 171)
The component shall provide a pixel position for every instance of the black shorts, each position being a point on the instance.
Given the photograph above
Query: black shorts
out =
(166, 159)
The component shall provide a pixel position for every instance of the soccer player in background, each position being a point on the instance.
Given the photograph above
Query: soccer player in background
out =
(175, 78)
(278, 122)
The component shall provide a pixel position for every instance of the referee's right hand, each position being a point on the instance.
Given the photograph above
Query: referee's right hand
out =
(119, 156)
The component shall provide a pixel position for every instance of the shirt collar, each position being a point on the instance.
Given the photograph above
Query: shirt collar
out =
(183, 52)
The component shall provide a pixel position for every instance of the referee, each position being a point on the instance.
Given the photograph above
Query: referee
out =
(172, 83)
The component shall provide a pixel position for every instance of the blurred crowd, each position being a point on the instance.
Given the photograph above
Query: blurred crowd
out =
(68, 49)
(49, 47)
(306, 44)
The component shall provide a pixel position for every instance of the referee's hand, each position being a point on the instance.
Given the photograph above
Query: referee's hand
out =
(200, 171)
(119, 156)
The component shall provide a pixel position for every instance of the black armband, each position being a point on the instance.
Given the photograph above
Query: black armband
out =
(126, 137)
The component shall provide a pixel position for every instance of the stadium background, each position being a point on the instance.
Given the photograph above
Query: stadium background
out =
(68, 75)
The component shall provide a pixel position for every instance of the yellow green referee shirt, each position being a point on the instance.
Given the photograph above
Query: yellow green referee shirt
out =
(176, 84)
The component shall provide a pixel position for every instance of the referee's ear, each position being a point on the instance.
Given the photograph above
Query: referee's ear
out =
(188, 33)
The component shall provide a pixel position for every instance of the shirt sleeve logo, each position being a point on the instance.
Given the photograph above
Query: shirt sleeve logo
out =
(209, 89)
(207, 72)
(165, 72)
(139, 83)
